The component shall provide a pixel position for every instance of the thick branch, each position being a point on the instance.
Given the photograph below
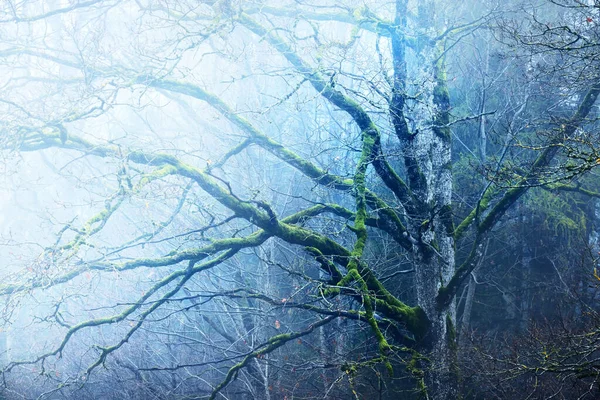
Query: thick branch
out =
(283, 229)
(390, 222)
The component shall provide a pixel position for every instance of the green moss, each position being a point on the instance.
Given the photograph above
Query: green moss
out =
(330, 292)
(326, 265)
(561, 214)
(277, 338)
(159, 173)
(360, 12)
(414, 318)
(509, 198)
(477, 210)
(414, 368)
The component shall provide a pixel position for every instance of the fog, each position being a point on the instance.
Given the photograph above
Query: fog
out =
(298, 200)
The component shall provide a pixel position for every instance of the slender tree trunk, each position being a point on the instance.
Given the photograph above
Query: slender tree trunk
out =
(525, 280)
(465, 323)
(4, 349)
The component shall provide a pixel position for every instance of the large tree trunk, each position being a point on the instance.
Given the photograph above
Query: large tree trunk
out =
(431, 150)
(441, 375)
(435, 254)
(435, 266)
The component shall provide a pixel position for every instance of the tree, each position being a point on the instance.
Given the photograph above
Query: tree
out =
(172, 116)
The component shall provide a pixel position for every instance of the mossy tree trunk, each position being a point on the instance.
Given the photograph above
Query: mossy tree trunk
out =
(427, 159)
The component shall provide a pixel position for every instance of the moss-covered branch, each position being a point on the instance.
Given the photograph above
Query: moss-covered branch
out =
(481, 207)
(216, 246)
(389, 221)
(343, 102)
(571, 188)
(284, 229)
(272, 344)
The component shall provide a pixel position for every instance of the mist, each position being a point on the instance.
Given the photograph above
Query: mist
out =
(299, 200)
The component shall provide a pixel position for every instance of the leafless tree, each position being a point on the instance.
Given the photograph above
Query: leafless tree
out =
(257, 192)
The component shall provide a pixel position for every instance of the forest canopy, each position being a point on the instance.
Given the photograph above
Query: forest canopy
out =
(299, 199)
